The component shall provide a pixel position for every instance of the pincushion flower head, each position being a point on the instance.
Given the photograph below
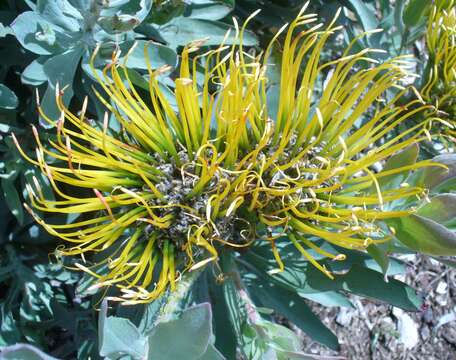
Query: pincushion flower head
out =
(224, 168)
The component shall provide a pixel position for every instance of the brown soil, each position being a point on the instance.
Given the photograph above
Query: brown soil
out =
(371, 331)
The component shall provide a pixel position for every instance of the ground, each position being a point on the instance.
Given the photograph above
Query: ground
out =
(376, 331)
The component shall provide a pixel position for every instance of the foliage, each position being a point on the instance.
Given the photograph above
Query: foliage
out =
(228, 307)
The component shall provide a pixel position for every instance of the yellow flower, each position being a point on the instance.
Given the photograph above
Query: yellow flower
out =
(440, 86)
(178, 186)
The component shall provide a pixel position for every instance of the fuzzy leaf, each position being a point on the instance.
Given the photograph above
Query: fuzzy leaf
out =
(159, 55)
(118, 337)
(5, 30)
(211, 354)
(124, 16)
(193, 329)
(36, 34)
(59, 69)
(34, 73)
(209, 11)
(23, 352)
(138, 8)
(61, 13)
(8, 99)
(282, 338)
(118, 23)
(437, 179)
(424, 235)
(182, 30)
(441, 209)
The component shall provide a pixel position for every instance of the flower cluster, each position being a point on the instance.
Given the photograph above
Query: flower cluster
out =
(226, 162)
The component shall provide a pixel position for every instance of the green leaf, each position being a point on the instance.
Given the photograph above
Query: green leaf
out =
(408, 156)
(385, 7)
(236, 309)
(151, 313)
(31, 4)
(9, 328)
(125, 16)
(362, 259)
(380, 257)
(60, 69)
(12, 199)
(5, 30)
(102, 321)
(365, 14)
(229, 3)
(182, 30)
(211, 354)
(437, 179)
(36, 34)
(327, 298)
(292, 306)
(118, 337)
(34, 73)
(405, 157)
(209, 11)
(414, 12)
(302, 277)
(138, 8)
(398, 15)
(225, 337)
(281, 338)
(159, 55)
(441, 209)
(284, 344)
(60, 13)
(118, 23)
(185, 338)
(370, 283)
(306, 278)
(163, 12)
(8, 99)
(424, 235)
(23, 352)
(122, 338)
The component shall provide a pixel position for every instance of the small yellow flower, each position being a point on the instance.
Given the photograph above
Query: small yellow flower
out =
(224, 169)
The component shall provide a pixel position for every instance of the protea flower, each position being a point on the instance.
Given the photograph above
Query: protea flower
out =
(178, 186)
(440, 84)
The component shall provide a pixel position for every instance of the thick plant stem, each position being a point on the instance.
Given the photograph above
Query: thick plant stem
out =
(233, 279)
(175, 298)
